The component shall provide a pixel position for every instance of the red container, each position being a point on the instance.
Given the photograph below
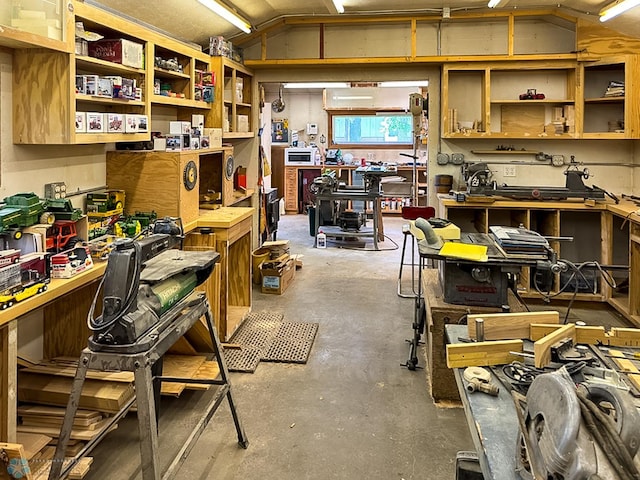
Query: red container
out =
(119, 50)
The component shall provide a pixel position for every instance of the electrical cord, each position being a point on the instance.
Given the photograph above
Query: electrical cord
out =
(521, 375)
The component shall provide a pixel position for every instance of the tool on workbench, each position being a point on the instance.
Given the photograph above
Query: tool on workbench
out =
(149, 303)
(479, 380)
(589, 431)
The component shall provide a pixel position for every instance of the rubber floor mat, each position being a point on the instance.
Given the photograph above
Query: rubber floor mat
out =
(292, 343)
(257, 330)
(244, 359)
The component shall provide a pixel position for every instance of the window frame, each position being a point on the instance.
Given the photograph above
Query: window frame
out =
(363, 112)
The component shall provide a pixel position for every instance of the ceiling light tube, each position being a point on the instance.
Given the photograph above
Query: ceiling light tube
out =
(616, 9)
(353, 97)
(316, 85)
(338, 5)
(227, 14)
(493, 3)
(405, 83)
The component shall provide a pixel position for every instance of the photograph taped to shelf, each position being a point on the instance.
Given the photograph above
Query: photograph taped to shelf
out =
(81, 122)
(95, 122)
(116, 123)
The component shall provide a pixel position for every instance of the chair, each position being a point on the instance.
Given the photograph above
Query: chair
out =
(411, 213)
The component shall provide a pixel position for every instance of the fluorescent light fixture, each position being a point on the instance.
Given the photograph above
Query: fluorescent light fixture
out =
(227, 14)
(338, 5)
(493, 3)
(353, 97)
(617, 8)
(317, 85)
(405, 83)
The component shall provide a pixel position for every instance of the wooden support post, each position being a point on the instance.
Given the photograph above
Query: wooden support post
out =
(508, 326)
(542, 348)
(482, 354)
(8, 381)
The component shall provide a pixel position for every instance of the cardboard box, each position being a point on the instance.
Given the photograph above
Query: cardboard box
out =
(215, 137)
(131, 123)
(115, 123)
(119, 50)
(240, 179)
(91, 84)
(242, 123)
(277, 281)
(105, 87)
(95, 122)
(81, 84)
(81, 122)
(143, 123)
(179, 128)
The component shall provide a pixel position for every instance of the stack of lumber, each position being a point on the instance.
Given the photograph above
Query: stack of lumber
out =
(48, 420)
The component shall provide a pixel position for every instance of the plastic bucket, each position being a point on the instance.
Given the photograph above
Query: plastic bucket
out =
(258, 256)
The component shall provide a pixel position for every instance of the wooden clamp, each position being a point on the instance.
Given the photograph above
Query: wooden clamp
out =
(509, 326)
(482, 354)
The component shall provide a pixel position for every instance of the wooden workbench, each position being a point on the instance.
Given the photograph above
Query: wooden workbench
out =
(64, 302)
(233, 241)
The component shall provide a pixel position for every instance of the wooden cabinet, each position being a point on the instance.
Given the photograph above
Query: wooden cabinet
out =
(577, 223)
(609, 98)
(42, 24)
(163, 182)
(483, 101)
(45, 97)
(291, 190)
(232, 111)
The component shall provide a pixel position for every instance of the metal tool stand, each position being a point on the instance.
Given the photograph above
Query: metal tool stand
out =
(175, 323)
(419, 319)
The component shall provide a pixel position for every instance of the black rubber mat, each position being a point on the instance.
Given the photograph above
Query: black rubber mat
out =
(244, 359)
(258, 330)
(292, 344)
(264, 336)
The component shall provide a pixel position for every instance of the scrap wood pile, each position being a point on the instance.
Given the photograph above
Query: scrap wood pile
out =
(44, 388)
(279, 255)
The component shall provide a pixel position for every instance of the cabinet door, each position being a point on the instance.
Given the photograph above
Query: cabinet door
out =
(291, 190)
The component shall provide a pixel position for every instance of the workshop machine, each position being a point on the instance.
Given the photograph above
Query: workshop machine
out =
(477, 176)
(586, 431)
(336, 212)
(145, 280)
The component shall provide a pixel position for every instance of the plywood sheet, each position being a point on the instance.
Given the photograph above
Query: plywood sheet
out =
(32, 443)
(182, 366)
(522, 119)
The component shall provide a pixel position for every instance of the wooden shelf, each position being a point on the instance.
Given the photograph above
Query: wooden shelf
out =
(505, 152)
(604, 100)
(239, 196)
(179, 102)
(86, 138)
(162, 73)
(103, 66)
(232, 135)
(526, 102)
(109, 101)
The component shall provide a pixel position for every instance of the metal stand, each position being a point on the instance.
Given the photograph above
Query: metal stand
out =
(419, 320)
(407, 234)
(175, 323)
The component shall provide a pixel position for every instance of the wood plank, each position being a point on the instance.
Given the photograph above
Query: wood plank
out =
(182, 347)
(508, 326)
(78, 472)
(208, 370)
(624, 337)
(540, 330)
(15, 452)
(32, 443)
(625, 365)
(525, 118)
(591, 335)
(76, 433)
(597, 40)
(542, 347)
(183, 366)
(55, 411)
(50, 390)
(50, 368)
(481, 354)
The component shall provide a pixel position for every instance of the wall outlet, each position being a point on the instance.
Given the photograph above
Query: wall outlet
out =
(509, 171)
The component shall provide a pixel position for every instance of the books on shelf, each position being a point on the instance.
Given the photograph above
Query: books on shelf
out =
(615, 89)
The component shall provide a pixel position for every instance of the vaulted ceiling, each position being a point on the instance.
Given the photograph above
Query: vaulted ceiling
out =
(190, 21)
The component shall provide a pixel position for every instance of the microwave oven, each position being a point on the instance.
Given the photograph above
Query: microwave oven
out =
(300, 156)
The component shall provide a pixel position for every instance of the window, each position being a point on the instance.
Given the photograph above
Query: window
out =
(370, 128)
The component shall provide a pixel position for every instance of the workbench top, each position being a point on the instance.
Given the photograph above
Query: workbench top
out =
(225, 217)
(56, 288)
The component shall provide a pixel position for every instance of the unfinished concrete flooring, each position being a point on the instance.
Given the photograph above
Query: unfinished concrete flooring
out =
(350, 412)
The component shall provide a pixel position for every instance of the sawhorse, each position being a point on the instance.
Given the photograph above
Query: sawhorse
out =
(148, 351)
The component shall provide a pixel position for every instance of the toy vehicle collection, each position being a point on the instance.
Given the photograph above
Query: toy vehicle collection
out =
(24, 279)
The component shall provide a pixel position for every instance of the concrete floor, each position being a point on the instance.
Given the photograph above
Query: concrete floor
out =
(351, 412)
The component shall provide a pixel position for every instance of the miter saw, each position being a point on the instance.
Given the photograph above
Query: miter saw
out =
(145, 282)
